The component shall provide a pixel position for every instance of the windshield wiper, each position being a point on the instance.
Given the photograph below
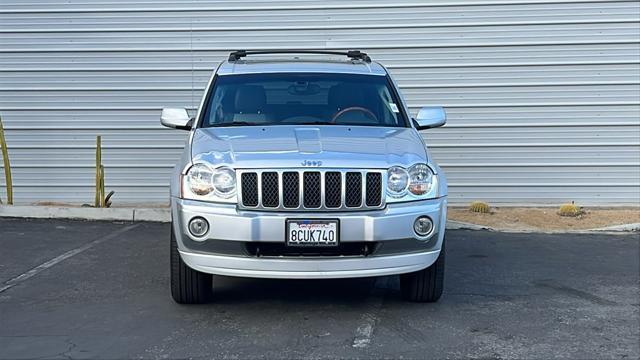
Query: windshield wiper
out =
(247, 123)
(235, 123)
(314, 123)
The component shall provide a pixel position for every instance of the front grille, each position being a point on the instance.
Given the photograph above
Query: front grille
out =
(307, 190)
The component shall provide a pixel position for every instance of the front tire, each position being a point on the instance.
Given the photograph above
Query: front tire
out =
(425, 285)
(188, 286)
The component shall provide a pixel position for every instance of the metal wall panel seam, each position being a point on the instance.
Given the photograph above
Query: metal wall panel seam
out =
(323, 6)
(88, 184)
(402, 86)
(451, 106)
(430, 144)
(449, 126)
(390, 67)
(370, 46)
(88, 165)
(318, 27)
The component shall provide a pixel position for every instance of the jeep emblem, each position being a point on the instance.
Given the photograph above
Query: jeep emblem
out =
(311, 163)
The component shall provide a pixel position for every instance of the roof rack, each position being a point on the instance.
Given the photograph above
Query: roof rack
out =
(353, 54)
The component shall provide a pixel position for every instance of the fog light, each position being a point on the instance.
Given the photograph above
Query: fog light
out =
(423, 226)
(198, 226)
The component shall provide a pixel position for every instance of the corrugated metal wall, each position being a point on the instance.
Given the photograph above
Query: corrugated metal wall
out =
(543, 96)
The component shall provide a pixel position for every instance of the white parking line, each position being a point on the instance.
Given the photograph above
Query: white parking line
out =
(364, 332)
(20, 278)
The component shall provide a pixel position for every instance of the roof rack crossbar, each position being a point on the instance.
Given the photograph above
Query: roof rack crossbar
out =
(353, 54)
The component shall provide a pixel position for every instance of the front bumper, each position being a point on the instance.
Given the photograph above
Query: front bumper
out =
(390, 226)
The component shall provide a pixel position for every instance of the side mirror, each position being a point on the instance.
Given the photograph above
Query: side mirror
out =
(430, 117)
(176, 118)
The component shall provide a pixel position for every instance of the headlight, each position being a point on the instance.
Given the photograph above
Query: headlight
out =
(420, 179)
(202, 182)
(224, 182)
(419, 182)
(397, 181)
(198, 179)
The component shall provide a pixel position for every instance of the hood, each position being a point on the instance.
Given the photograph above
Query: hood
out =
(313, 146)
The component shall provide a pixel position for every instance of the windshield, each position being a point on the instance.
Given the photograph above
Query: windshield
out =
(301, 98)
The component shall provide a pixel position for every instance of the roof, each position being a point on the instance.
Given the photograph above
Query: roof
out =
(294, 64)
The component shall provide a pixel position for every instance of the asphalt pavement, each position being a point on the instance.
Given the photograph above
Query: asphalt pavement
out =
(77, 289)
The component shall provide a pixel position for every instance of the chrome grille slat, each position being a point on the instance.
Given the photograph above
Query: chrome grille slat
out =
(343, 190)
(323, 190)
(259, 192)
(280, 190)
(362, 186)
(300, 190)
(317, 189)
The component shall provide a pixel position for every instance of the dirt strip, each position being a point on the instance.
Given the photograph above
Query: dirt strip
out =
(545, 219)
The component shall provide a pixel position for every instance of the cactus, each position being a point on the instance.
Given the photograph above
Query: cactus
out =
(480, 207)
(7, 166)
(101, 200)
(570, 210)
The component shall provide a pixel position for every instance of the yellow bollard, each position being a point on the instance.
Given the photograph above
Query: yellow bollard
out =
(7, 165)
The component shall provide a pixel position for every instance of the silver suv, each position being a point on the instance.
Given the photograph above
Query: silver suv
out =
(306, 169)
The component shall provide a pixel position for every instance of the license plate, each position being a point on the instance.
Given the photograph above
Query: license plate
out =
(312, 232)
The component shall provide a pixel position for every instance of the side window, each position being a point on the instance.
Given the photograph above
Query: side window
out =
(215, 107)
(391, 112)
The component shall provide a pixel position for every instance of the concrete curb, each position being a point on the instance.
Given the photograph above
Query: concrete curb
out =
(86, 213)
(459, 225)
(51, 212)
(157, 215)
(625, 227)
(164, 215)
